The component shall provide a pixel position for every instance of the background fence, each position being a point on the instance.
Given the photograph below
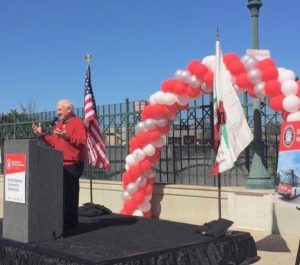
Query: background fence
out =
(188, 155)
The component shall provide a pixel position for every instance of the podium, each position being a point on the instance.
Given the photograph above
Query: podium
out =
(33, 191)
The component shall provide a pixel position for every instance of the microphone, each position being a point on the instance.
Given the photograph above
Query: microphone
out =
(54, 121)
(52, 124)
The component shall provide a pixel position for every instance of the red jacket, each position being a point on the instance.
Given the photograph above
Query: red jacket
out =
(72, 147)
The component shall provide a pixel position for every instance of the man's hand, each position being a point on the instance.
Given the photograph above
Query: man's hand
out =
(37, 129)
(60, 133)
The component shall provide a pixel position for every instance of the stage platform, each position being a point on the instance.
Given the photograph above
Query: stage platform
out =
(127, 240)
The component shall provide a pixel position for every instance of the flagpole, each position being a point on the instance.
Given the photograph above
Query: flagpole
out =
(219, 174)
(219, 196)
(88, 57)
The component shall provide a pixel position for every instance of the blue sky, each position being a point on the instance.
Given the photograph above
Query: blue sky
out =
(289, 160)
(136, 44)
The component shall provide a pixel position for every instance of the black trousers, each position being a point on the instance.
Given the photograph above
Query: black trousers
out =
(71, 176)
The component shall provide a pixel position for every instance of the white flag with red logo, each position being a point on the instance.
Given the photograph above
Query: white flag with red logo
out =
(231, 131)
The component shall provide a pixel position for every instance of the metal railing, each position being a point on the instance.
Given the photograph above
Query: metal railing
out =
(188, 155)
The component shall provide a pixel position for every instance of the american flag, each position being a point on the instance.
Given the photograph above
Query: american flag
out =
(96, 148)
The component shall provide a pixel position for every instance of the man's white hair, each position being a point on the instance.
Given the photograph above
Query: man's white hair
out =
(67, 103)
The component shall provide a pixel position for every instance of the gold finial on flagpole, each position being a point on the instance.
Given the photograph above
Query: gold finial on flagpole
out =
(88, 57)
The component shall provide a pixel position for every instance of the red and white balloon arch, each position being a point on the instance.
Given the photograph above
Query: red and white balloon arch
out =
(260, 78)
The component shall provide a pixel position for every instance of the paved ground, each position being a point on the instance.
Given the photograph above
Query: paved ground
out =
(275, 249)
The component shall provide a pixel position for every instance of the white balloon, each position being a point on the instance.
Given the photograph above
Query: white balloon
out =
(178, 73)
(152, 99)
(285, 74)
(140, 127)
(194, 82)
(249, 61)
(138, 213)
(149, 124)
(172, 118)
(295, 116)
(149, 150)
(245, 58)
(259, 89)
(148, 197)
(149, 173)
(289, 87)
(162, 122)
(141, 181)
(183, 100)
(125, 195)
(291, 103)
(145, 206)
(280, 71)
(159, 97)
(205, 88)
(132, 188)
(183, 75)
(169, 98)
(127, 167)
(254, 75)
(159, 143)
(131, 160)
(138, 155)
(209, 61)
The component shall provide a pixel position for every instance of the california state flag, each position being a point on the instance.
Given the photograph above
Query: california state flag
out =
(231, 131)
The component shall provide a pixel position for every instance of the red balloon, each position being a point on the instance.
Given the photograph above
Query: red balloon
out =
(265, 63)
(131, 149)
(134, 172)
(133, 142)
(155, 158)
(152, 112)
(145, 165)
(153, 135)
(243, 82)
(236, 67)
(129, 206)
(123, 212)
(124, 185)
(193, 92)
(269, 73)
(208, 78)
(284, 114)
(251, 92)
(180, 107)
(126, 178)
(197, 68)
(138, 197)
(164, 129)
(149, 189)
(180, 87)
(230, 57)
(273, 88)
(170, 110)
(148, 214)
(142, 139)
(276, 102)
(168, 85)
(151, 181)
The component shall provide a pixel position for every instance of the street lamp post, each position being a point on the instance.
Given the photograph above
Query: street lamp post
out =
(259, 177)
